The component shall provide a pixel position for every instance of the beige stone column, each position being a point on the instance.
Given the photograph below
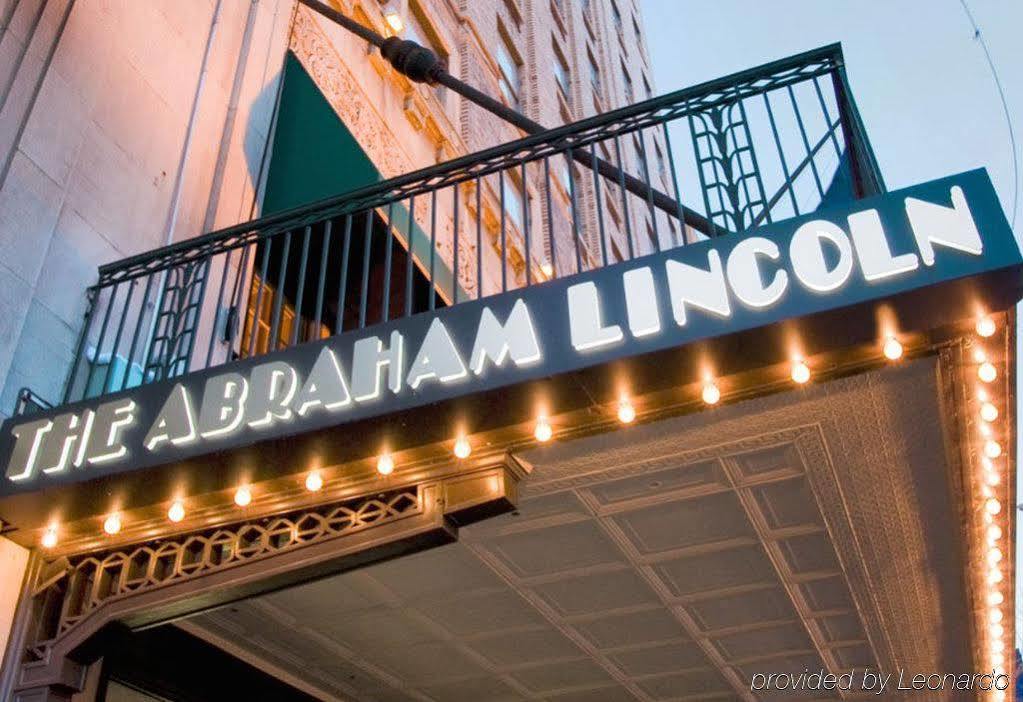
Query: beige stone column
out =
(13, 561)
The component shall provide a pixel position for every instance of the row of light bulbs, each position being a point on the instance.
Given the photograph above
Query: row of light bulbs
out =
(543, 432)
(988, 412)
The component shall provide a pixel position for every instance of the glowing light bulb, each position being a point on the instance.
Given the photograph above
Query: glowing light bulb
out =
(994, 532)
(394, 21)
(993, 506)
(177, 510)
(49, 539)
(995, 616)
(243, 496)
(800, 371)
(982, 395)
(462, 447)
(994, 556)
(988, 412)
(997, 631)
(112, 524)
(994, 576)
(385, 464)
(711, 393)
(998, 646)
(543, 431)
(992, 449)
(985, 429)
(892, 349)
(986, 372)
(547, 269)
(985, 326)
(992, 479)
(626, 412)
(995, 599)
(314, 481)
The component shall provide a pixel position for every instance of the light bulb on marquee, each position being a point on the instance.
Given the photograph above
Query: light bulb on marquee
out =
(988, 412)
(112, 524)
(626, 412)
(177, 511)
(543, 431)
(995, 599)
(993, 506)
(994, 576)
(992, 449)
(995, 616)
(800, 371)
(385, 464)
(462, 447)
(986, 372)
(997, 630)
(994, 556)
(314, 481)
(49, 539)
(985, 326)
(243, 496)
(994, 532)
(892, 349)
(711, 393)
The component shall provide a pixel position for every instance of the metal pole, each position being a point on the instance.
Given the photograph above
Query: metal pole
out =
(421, 65)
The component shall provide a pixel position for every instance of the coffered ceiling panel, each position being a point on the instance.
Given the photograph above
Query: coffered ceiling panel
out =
(669, 562)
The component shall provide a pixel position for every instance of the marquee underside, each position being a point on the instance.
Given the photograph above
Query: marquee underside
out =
(819, 528)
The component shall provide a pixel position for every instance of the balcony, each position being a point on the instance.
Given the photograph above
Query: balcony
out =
(749, 149)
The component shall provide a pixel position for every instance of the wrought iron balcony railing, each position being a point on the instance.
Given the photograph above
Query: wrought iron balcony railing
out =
(752, 148)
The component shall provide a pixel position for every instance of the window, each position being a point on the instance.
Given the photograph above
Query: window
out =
(511, 189)
(594, 74)
(616, 16)
(647, 89)
(630, 93)
(639, 33)
(510, 77)
(561, 71)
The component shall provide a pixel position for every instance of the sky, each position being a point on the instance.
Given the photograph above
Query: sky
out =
(919, 76)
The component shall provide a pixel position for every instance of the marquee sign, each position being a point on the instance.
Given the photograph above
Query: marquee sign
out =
(865, 250)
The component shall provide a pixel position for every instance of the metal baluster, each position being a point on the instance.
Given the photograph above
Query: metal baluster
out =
(117, 336)
(388, 246)
(216, 309)
(781, 155)
(504, 250)
(599, 204)
(275, 325)
(626, 215)
(342, 286)
(702, 176)
(575, 211)
(550, 216)
(479, 237)
(674, 182)
(103, 333)
(754, 164)
(806, 142)
(409, 261)
(138, 331)
(324, 257)
(827, 116)
(254, 330)
(300, 295)
(649, 189)
(525, 228)
(454, 272)
(433, 250)
(366, 244)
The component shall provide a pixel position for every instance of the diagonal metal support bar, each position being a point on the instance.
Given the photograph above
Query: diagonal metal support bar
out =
(421, 65)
